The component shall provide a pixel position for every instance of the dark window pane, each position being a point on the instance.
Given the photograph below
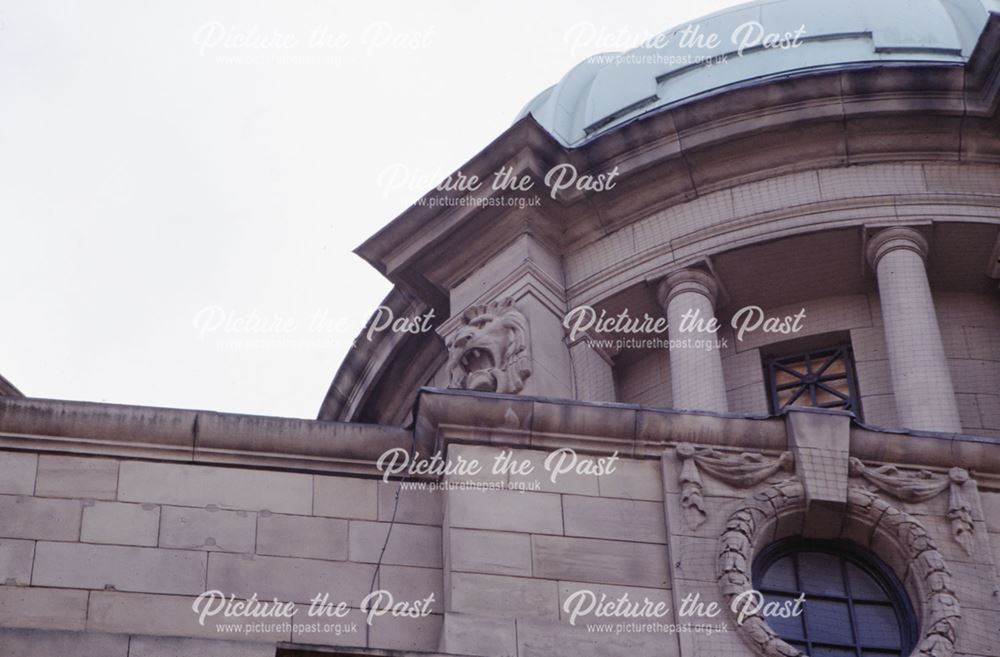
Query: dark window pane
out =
(819, 651)
(780, 576)
(848, 610)
(787, 628)
(821, 574)
(877, 627)
(862, 584)
(828, 621)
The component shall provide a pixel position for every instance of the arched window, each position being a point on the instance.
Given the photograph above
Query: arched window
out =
(854, 604)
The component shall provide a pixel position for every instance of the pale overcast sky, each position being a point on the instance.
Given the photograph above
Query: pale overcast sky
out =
(176, 176)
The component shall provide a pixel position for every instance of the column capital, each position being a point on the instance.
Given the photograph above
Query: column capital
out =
(893, 239)
(687, 280)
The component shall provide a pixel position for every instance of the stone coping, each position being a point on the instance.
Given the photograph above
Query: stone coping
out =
(443, 417)
(195, 436)
(643, 431)
(300, 650)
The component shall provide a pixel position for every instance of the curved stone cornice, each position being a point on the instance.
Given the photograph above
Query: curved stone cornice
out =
(821, 119)
(367, 383)
(657, 254)
(836, 118)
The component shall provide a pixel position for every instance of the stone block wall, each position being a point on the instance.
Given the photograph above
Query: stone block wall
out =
(104, 556)
(122, 547)
(970, 328)
(644, 379)
(518, 545)
(779, 206)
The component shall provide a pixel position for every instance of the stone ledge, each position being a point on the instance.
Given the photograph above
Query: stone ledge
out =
(443, 417)
(166, 434)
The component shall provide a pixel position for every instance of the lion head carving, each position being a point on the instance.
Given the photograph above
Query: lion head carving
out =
(490, 350)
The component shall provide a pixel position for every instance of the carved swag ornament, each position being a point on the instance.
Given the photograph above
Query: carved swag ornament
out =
(922, 485)
(490, 351)
(738, 470)
(752, 524)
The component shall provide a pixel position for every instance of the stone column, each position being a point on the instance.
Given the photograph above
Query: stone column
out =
(921, 381)
(695, 371)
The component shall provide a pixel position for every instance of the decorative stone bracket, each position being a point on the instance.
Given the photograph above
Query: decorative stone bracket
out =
(922, 485)
(738, 470)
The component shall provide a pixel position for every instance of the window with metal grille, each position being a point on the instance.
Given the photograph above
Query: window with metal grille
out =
(854, 604)
(823, 378)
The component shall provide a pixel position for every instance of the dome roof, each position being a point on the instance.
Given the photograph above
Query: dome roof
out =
(607, 90)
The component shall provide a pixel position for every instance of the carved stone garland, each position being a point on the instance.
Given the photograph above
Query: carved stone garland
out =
(738, 470)
(940, 609)
(922, 485)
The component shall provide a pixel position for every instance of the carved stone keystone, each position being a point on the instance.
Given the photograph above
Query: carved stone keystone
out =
(820, 441)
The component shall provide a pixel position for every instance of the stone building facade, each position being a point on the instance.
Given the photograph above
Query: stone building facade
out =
(835, 208)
